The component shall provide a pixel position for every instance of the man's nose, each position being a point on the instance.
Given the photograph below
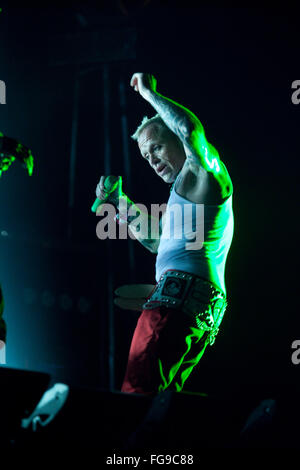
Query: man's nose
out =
(153, 159)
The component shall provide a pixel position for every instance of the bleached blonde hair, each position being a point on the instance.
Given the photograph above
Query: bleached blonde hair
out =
(145, 122)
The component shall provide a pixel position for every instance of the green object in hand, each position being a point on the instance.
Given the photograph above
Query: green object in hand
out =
(110, 185)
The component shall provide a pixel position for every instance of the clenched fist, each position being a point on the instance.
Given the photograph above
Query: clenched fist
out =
(108, 189)
(107, 186)
(143, 83)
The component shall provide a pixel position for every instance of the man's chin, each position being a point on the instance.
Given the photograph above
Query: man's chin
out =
(168, 177)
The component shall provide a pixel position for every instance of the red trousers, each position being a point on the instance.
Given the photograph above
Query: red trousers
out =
(164, 350)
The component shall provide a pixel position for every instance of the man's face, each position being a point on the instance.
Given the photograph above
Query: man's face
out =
(163, 150)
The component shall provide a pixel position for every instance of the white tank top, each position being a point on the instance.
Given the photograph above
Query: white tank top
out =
(216, 236)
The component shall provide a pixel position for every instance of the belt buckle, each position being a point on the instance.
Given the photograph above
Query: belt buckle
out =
(171, 290)
(175, 284)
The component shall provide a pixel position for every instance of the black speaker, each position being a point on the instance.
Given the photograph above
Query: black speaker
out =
(115, 423)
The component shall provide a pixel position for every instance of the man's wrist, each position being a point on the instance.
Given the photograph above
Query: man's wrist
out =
(124, 204)
(123, 200)
(149, 95)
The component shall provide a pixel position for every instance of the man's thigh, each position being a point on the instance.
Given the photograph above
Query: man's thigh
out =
(180, 347)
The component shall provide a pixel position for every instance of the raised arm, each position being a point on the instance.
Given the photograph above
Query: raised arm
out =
(182, 122)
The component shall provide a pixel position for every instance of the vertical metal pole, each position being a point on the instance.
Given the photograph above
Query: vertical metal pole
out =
(127, 166)
(72, 168)
(107, 171)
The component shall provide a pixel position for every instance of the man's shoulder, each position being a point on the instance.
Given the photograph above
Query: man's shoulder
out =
(207, 187)
(224, 181)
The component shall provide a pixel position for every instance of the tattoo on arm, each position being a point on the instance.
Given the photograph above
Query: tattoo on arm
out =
(190, 131)
(203, 153)
(180, 120)
(149, 240)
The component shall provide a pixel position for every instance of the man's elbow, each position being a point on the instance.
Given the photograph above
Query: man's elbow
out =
(195, 137)
(191, 129)
(203, 152)
(154, 246)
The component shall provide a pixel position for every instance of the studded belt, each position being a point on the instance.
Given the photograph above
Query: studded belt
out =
(204, 302)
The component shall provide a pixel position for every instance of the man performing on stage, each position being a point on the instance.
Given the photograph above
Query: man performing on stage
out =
(10, 150)
(181, 315)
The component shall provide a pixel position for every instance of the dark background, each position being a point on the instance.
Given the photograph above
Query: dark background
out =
(233, 67)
